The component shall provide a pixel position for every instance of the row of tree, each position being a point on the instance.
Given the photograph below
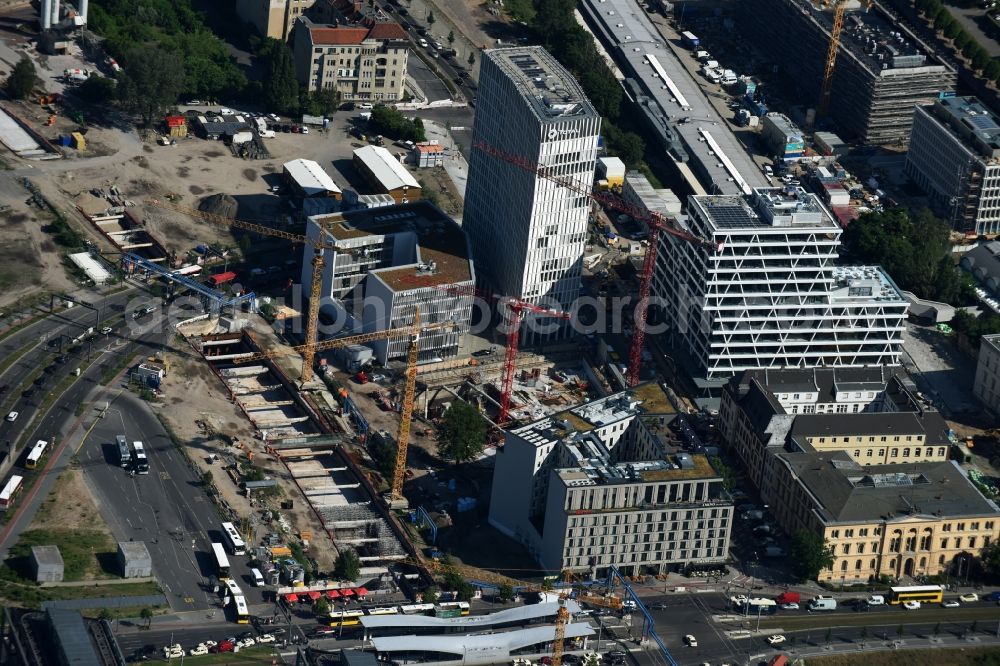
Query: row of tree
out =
(914, 248)
(961, 40)
(556, 28)
(389, 122)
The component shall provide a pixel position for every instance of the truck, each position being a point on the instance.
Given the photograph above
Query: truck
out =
(222, 278)
(788, 598)
(76, 74)
(822, 603)
(242, 137)
(690, 40)
(312, 120)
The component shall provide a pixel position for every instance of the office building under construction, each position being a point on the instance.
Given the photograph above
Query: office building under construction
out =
(882, 70)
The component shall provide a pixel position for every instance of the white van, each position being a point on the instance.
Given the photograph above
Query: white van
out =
(876, 600)
(257, 577)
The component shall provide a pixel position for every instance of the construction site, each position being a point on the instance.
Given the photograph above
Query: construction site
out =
(882, 70)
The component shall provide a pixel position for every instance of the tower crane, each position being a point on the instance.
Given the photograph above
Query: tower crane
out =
(657, 222)
(318, 263)
(839, 8)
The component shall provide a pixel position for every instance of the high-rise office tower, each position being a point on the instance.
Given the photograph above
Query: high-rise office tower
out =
(527, 232)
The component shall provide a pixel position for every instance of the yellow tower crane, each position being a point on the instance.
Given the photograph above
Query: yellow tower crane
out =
(831, 56)
(318, 263)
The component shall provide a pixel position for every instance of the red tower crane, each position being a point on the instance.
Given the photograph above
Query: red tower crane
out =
(657, 223)
(517, 308)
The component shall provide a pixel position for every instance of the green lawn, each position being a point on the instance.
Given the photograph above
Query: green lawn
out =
(254, 655)
(86, 554)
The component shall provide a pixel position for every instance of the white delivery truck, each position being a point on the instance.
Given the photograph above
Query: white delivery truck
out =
(822, 603)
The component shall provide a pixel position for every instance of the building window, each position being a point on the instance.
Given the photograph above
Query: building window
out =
(906, 452)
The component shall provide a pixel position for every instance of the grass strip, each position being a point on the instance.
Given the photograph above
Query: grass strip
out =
(13, 358)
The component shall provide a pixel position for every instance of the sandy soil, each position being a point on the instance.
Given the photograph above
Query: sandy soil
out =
(70, 506)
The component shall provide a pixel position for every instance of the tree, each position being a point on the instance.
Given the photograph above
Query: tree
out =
(962, 39)
(22, 79)
(320, 102)
(98, 89)
(990, 556)
(151, 81)
(105, 614)
(348, 566)
(146, 614)
(726, 472)
(810, 554)
(430, 19)
(281, 89)
(389, 122)
(206, 477)
(321, 607)
(981, 59)
(506, 592)
(463, 433)
(992, 71)
(472, 59)
(464, 591)
(451, 37)
(952, 29)
(430, 594)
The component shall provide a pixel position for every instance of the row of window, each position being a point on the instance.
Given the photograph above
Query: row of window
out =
(871, 438)
(583, 556)
(653, 517)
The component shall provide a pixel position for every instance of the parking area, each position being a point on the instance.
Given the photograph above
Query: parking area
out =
(942, 373)
(428, 82)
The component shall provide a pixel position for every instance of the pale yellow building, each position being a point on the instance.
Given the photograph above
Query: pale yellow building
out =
(361, 63)
(893, 520)
(273, 18)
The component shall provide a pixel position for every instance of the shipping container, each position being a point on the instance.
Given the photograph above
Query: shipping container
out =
(690, 40)
(222, 278)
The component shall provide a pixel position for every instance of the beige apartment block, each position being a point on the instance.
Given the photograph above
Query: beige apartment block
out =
(272, 18)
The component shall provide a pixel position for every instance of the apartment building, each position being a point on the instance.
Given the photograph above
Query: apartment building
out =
(604, 484)
(954, 157)
(891, 520)
(363, 63)
(394, 260)
(764, 291)
(869, 413)
(987, 384)
(528, 232)
(273, 18)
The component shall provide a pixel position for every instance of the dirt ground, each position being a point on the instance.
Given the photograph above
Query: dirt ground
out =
(69, 506)
(193, 395)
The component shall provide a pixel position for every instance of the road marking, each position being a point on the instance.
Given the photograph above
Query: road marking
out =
(189, 600)
(165, 476)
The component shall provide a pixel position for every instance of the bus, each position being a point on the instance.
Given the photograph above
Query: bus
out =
(141, 461)
(417, 609)
(383, 610)
(124, 453)
(242, 610)
(351, 618)
(221, 561)
(232, 588)
(924, 593)
(36, 454)
(10, 491)
(451, 609)
(233, 539)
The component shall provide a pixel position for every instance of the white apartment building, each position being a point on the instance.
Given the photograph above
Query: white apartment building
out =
(395, 259)
(955, 157)
(362, 63)
(527, 232)
(770, 295)
(603, 484)
(987, 384)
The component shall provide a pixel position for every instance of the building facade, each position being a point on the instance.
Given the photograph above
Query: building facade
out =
(602, 484)
(856, 456)
(987, 384)
(527, 232)
(272, 18)
(393, 261)
(954, 156)
(362, 63)
(765, 293)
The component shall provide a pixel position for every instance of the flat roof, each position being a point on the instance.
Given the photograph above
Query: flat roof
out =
(439, 241)
(683, 108)
(134, 551)
(386, 168)
(484, 643)
(846, 492)
(47, 555)
(471, 622)
(780, 208)
(552, 93)
(864, 284)
(310, 176)
(73, 637)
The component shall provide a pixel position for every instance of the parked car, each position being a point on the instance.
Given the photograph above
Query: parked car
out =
(106, 330)
(266, 638)
(791, 605)
(968, 597)
(484, 352)
(174, 651)
(223, 646)
(691, 641)
(911, 605)
(951, 603)
(776, 639)
(198, 650)
(12, 416)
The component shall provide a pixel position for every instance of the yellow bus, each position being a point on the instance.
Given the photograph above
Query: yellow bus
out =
(36, 454)
(351, 618)
(242, 611)
(932, 594)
